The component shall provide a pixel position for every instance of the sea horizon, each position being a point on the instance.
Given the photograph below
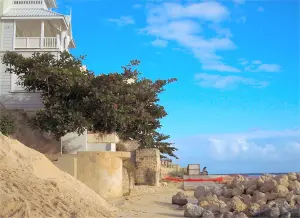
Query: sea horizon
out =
(250, 174)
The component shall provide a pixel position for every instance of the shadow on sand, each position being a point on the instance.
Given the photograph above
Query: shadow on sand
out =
(170, 215)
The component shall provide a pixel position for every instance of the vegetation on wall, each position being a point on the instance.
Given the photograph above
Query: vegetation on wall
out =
(7, 124)
(75, 99)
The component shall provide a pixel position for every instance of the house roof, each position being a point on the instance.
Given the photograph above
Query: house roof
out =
(30, 12)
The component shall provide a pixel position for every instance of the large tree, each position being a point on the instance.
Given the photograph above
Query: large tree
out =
(76, 99)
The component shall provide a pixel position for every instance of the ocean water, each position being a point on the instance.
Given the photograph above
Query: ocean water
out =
(249, 174)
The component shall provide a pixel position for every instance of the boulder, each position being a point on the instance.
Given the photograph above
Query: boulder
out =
(248, 182)
(217, 190)
(271, 195)
(281, 191)
(296, 191)
(262, 179)
(247, 199)
(237, 204)
(208, 214)
(212, 203)
(295, 212)
(192, 210)
(294, 184)
(253, 208)
(239, 215)
(257, 196)
(290, 198)
(228, 215)
(251, 189)
(282, 180)
(224, 199)
(202, 191)
(268, 185)
(228, 192)
(274, 211)
(297, 199)
(238, 180)
(286, 215)
(238, 190)
(292, 176)
(179, 199)
(281, 202)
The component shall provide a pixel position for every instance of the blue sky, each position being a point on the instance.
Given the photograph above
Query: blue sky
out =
(235, 107)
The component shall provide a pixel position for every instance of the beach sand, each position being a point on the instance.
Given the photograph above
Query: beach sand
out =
(153, 202)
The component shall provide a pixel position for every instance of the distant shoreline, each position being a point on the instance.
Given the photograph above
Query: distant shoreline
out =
(246, 174)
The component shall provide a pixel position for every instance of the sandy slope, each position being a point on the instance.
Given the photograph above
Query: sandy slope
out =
(31, 186)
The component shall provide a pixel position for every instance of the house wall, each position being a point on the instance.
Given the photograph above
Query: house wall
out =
(71, 143)
(20, 99)
(101, 147)
(7, 39)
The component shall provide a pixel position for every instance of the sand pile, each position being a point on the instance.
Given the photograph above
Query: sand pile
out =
(31, 186)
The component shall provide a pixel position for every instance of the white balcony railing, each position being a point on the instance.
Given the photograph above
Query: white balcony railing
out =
(35, 42)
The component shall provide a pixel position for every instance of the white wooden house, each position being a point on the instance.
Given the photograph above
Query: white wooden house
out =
(28, 26)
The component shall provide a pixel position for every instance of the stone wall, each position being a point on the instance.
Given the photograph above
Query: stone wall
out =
(169, 170)
(148, 166)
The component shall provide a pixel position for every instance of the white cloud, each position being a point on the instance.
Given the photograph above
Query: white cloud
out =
(253, 151)
(260, 9)
(256, 62)
(260, 67)
(137, 6)
(223, 82)
(239, 1)
(268, 68)
(159, 43)
(241, 20)
(178, 23)
(122, 21)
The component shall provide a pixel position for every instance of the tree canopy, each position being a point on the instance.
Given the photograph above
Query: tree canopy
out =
(76, 99)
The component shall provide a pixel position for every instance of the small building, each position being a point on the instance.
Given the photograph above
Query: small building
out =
(193, 169)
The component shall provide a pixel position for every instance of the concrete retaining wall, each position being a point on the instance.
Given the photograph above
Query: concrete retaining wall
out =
(101, 171)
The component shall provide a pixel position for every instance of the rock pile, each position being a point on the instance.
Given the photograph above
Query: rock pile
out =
(266, 196)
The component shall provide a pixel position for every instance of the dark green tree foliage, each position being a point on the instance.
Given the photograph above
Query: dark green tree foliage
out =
(75, 100)
(7, 124)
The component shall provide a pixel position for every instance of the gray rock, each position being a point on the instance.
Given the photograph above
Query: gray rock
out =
(283, 210)
(179, 199)
(192, 210)
(239, 215)
(228, 215)
(273, 211)
(286, 215)
(295, 212)
(202, 191)
(296, 191)
(219, 215)
(208, 214)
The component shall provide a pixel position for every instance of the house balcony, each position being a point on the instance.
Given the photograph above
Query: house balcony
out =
(37, 42)
(38, 35)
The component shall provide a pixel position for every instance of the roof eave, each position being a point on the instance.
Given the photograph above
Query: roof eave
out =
(31, 18)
